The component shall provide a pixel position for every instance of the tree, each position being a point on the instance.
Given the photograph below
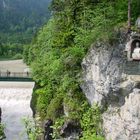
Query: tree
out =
(129, 16)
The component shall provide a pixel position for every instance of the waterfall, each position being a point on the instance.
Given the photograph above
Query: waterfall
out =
(15, 104)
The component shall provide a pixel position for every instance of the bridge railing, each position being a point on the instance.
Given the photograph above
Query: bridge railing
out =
(15, 74)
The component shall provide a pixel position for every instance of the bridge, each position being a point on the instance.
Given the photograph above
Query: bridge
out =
(15, 76)
(14, 70)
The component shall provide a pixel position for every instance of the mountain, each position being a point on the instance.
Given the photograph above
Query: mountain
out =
(20, 19)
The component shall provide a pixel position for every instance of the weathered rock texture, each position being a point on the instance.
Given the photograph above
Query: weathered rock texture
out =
(124, 123)
(70, 130)
(103, 68)
(48, 130)
(108, 82)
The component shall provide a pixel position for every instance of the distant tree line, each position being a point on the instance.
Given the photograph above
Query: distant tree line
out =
(11, 50)
(19, 22)
(19, 19)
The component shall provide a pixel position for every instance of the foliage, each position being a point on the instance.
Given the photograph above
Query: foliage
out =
(55, 108)
(88, 135)
(10, 50)
(19, 22)
(2, 135)
(17, 56)
(57, 127)
(26, 53)
(33, 130)
(56, 53)
(16, 24)
(91, 124)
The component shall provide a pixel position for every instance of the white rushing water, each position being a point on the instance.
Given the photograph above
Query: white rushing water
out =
(15, 105)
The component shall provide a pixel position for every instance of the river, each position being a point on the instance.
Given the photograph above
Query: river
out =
(15, 100)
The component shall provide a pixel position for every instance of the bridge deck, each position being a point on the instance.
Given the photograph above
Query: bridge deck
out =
(9, 74)
(15, 76)
(14, 70)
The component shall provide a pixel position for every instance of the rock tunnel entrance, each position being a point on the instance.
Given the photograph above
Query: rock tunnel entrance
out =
(132, 65)
(134, 46)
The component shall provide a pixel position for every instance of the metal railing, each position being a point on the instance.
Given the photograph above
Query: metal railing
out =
(9, 74)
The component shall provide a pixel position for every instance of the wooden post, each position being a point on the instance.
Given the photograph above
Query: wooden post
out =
(129, 16)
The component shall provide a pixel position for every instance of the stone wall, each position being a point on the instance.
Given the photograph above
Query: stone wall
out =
(111, 81)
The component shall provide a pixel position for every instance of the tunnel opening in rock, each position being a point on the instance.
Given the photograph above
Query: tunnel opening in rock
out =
(135, 49)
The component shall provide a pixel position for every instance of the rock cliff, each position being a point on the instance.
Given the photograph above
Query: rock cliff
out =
(114, 83)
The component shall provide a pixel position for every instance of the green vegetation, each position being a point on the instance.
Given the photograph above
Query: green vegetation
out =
(10, 51)
(20, 19)
(57, 127)
(56, 53)
(91, 123)
(31, 129)
(19, 22)
(2, 135)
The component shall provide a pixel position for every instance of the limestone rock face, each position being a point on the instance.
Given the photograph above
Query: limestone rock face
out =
(102, 72)
(124, 123)
(111, 81)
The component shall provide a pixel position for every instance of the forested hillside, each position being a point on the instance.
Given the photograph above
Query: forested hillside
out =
(19, 22)
(20, 19)
(55, 56)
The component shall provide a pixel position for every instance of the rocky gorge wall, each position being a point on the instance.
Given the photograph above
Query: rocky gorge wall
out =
(114, 83)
